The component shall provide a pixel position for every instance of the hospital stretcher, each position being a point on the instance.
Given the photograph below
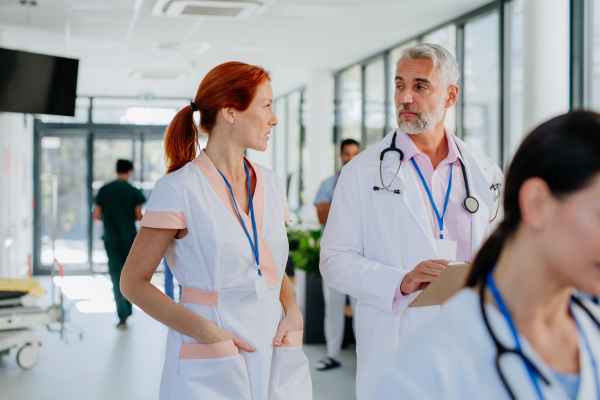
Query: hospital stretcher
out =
(18, 313)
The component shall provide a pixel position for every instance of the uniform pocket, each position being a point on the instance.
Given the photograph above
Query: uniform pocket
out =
(290, 373)
(211, 371)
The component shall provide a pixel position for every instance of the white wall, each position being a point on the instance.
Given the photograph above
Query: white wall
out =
(16, 198)
(545, 60)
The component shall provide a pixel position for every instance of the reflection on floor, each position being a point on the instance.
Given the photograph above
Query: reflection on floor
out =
(118, 365)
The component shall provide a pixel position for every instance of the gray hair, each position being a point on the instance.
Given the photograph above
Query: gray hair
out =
(446, 65)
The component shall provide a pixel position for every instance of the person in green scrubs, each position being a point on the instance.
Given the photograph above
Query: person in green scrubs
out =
(118, 206)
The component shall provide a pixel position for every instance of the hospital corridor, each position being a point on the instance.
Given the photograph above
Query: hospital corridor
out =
(299, 199)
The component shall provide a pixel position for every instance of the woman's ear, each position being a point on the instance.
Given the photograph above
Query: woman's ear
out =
(536, 202)
(228, 115)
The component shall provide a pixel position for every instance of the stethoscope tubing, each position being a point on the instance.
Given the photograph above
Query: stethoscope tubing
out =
(501, 349)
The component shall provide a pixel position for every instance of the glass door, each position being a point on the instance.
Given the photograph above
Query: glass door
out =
(106, 154)
(65, 159)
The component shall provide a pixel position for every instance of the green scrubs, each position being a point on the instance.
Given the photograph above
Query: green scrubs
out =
(118, 200)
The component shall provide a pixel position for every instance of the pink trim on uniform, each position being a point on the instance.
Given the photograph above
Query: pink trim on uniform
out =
(164, 220)
(286, 214)
(199, 296)
(292, 339)
(193, 351)
(210, 172)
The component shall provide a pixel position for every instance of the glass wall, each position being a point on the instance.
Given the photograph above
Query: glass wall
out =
(350, 103)
(474, 40)
(374, 102)
(481, 86)
(288, 142)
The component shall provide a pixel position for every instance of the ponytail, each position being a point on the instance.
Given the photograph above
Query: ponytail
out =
(488, 254)
(229, 85)
(181, 140)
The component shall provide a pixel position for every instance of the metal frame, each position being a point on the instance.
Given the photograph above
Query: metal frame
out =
(503, 8)
(91, 131)
(581, 53)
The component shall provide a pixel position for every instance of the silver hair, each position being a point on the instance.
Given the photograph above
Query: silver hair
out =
(446, 65)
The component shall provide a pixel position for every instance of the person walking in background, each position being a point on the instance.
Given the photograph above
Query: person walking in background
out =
(118, 206)
(335, 301)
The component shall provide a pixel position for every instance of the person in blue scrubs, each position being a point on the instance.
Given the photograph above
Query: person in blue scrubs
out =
(335, 301)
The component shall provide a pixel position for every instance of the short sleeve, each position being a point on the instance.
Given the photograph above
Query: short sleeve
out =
(99, 197)
(164, 207)
(322, 194)
(139, 197)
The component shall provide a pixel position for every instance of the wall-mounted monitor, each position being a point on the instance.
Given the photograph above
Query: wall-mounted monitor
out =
(33, 83)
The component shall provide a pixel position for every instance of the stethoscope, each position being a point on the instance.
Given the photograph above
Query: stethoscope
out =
(501, 350)
(470, 203)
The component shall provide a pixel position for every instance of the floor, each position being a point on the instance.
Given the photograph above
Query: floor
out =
(113, 364)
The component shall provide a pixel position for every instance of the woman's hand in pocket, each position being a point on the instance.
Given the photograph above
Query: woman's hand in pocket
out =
(213, 334)
(292, 322)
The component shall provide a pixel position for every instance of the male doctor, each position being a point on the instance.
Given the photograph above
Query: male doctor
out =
(387, 239)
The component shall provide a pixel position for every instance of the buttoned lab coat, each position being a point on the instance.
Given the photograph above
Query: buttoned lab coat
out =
(453, 358)
(374, 238)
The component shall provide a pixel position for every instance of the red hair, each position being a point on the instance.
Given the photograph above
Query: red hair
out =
(229, 85)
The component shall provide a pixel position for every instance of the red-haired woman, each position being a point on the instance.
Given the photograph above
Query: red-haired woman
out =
(219, 219)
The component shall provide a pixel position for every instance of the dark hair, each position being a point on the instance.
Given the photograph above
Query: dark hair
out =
(565, 153)
(347, 142)
(124, 166)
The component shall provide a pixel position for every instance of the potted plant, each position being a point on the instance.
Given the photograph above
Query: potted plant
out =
(305, 254)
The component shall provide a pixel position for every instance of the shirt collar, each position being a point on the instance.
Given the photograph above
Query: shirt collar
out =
(408, 147)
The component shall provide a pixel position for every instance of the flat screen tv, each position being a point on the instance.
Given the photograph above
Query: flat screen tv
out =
(33, 83)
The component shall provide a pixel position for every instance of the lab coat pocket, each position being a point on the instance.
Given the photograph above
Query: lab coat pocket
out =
(290, 373)
(211, 371)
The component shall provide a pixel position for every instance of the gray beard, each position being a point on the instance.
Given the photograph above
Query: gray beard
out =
(424, 123)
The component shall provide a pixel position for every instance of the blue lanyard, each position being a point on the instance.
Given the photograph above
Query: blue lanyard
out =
(437, 214)
(504, 310)
(255, 244)
(589, 350)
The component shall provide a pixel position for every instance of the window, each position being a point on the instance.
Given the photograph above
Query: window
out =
(482, 86)
(515, 128)
(288, 144)
(395, 54)
(446, 37)
(595, 56)
(374, 102)
(351, 103)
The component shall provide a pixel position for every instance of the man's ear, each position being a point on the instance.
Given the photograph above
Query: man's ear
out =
(452, 95)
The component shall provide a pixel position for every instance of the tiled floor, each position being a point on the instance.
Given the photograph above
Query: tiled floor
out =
(123, 365)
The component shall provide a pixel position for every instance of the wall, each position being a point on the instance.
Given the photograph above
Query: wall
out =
(16, 197)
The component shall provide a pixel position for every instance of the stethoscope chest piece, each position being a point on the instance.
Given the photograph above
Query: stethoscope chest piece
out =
(471, 204)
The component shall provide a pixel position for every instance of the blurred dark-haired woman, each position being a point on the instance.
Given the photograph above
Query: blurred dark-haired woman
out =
(522, 328)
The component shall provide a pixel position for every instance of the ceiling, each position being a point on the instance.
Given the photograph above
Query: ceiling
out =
(118, 41)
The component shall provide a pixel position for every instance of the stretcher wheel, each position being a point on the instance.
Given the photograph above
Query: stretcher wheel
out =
(27, 356)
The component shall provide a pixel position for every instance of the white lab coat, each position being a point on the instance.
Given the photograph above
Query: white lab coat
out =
(215, 264)
(374, 238)
(453, 357)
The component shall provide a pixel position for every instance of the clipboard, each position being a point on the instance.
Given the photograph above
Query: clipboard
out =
(446, 285)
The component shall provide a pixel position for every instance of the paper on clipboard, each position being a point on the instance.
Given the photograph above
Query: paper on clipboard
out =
(447, 284)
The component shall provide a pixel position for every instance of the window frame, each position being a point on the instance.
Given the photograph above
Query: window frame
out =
(503, 9)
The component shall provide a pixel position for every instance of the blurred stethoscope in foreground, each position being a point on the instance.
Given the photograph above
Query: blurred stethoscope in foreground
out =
(470, 203)
(533, 371)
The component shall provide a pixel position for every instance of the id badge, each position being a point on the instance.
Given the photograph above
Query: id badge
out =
(262, 288)
(446, 249)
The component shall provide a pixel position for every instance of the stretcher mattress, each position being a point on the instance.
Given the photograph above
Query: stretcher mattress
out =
(31, 286)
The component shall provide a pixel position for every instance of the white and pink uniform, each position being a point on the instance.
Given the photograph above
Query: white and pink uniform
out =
(216, 267)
